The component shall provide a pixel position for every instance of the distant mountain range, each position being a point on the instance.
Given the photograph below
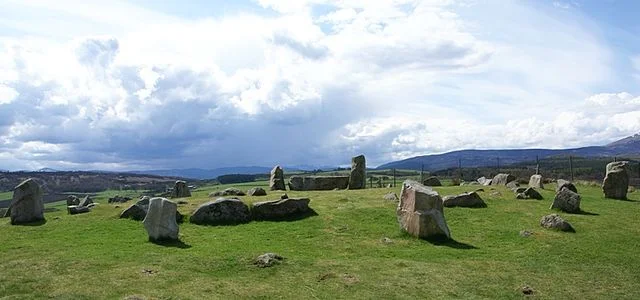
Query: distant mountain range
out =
(629, 147)
(196, 173)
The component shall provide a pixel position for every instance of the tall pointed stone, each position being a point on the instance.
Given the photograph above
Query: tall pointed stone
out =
(276, 181)
(358, 176)
(26, 205)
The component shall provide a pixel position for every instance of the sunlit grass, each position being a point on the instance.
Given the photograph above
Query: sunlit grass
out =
(337, 254)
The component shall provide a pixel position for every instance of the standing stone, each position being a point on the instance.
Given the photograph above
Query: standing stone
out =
(432, 181)
(536, 181)
(180, 190)
(358, 176)
(616, 182)
(276, 181)
(420, 211)
(502, 179)
(567, 201)
(566, 184)
(26, 205)
(160, 221)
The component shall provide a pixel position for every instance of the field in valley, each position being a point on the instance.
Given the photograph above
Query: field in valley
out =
(338, 254)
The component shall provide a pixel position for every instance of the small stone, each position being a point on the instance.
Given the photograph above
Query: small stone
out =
(257, 191)
(268, 260)
(391, 197)
(554, 221)
(527, 290)
(386, 240)
(525, 233)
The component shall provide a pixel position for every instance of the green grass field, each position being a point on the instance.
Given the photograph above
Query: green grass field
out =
(337, 254)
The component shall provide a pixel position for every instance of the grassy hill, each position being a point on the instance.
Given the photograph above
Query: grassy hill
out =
(338, 254)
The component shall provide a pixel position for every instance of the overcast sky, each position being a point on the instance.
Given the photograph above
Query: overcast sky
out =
(123, 85)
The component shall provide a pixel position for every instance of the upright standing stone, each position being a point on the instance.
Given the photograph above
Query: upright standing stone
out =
(276, 181)
(420, 211)
(180, 190)
(26, 205)
(358, 176)
(616, 182)
(160, 221)
(536, 181)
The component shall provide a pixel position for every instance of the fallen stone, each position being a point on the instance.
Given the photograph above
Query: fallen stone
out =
(223, 211)
(525, 233)
(519, 190)
(513, 185)
(318, 183)
(521, 196)
(86, 201)
(532, 193)
(567, 201)
(72, 200)
(285, 209)
(471, 199)
(118, 199)
(553, 221)
(257, 191)
(227, 192)
(391, 197)
(267, 260)
(77, 209)
(432, 181)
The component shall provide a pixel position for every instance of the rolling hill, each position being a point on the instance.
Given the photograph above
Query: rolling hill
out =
(627, 147)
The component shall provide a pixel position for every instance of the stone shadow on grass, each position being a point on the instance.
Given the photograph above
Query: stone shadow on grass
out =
(586, 213)
(171, 243)
(34, 223)
(292, 218)
(447, 242)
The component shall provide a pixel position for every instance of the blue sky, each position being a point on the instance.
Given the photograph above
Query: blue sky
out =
(125, 85)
